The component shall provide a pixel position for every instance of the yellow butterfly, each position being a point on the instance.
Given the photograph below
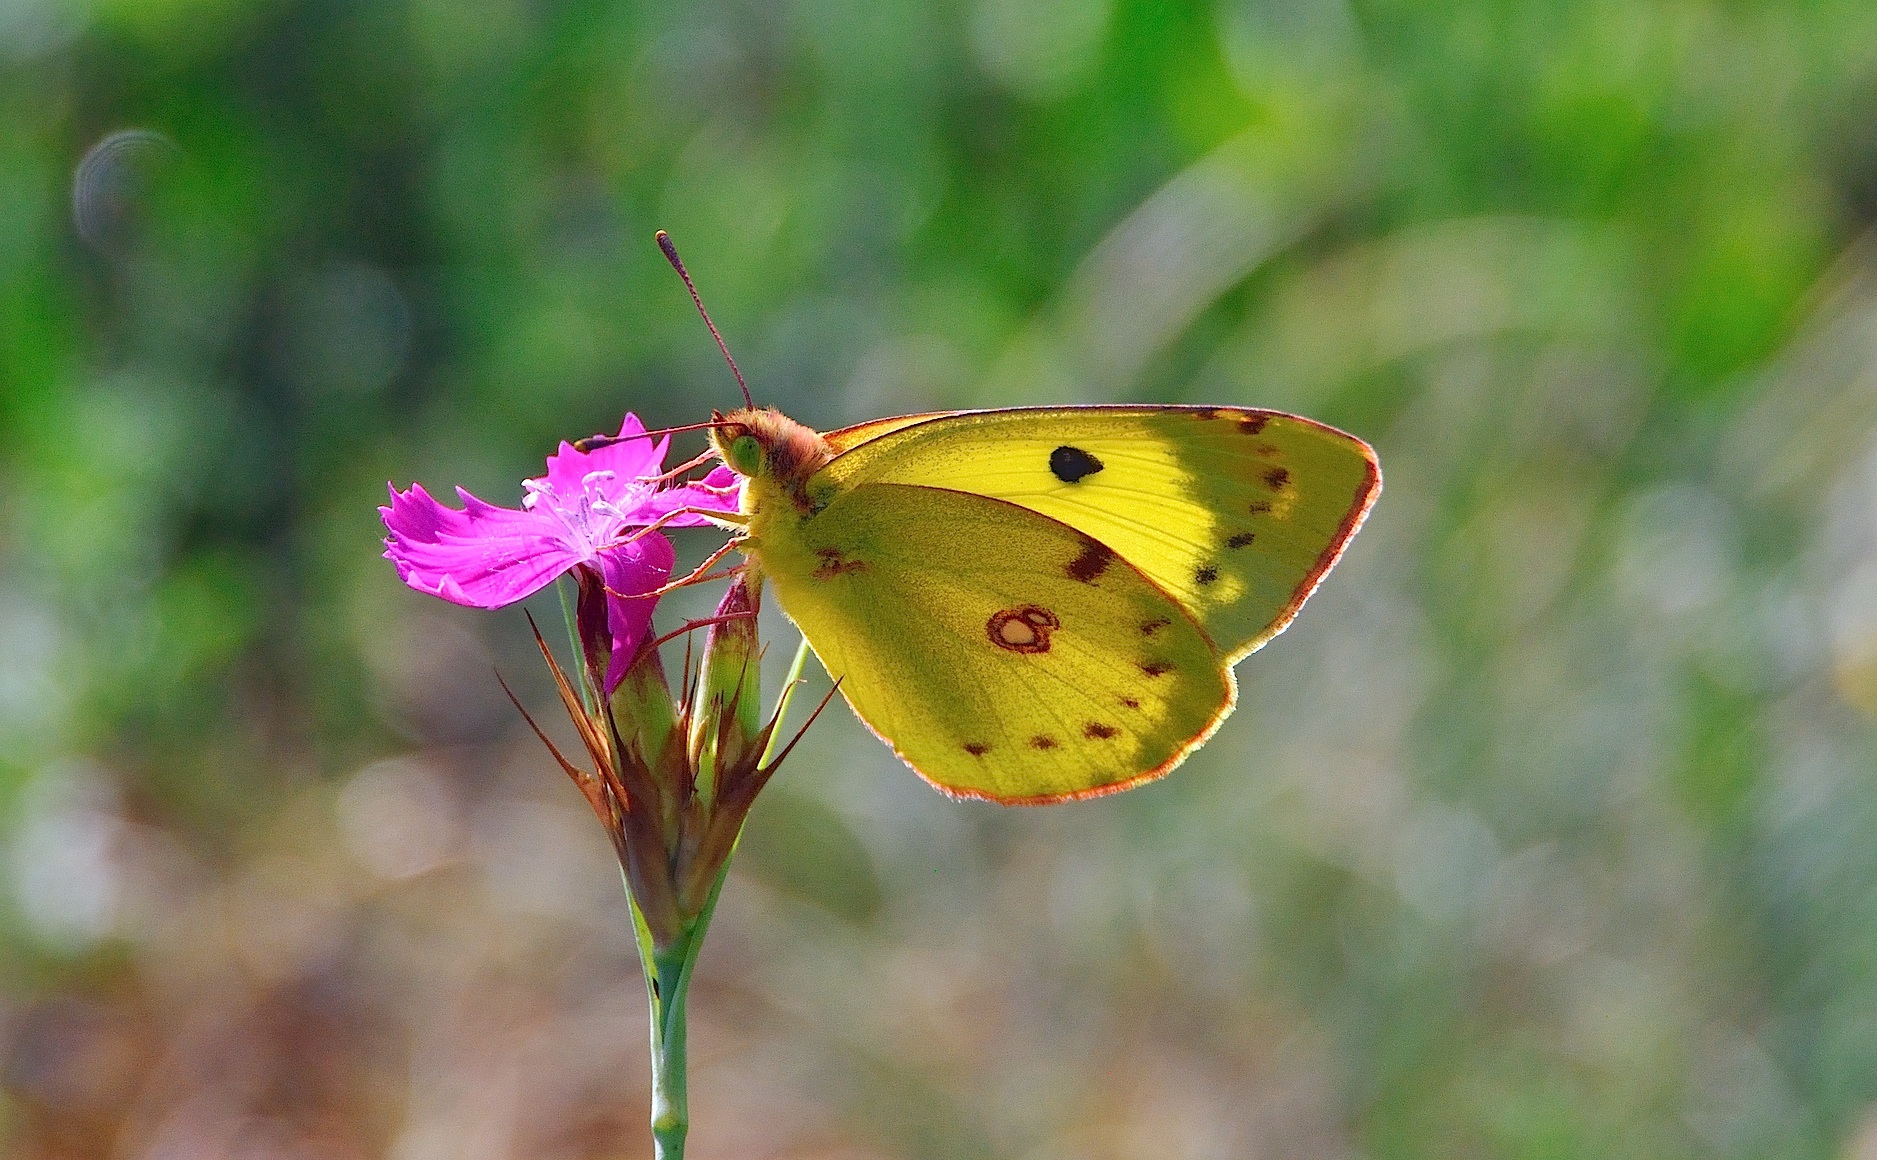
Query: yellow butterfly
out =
(1040, 604)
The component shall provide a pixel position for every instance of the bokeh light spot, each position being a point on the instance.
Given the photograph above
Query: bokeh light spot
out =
(112, 186)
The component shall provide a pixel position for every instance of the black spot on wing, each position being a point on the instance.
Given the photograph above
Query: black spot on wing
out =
(1072, 464)
(1205, 574)
(1130, 703)
(977, 748)
(1261, 507)
(1043, 741)
(1156, 668)
(1252, 424)
(1241, 540)
(1154, 625)
(1276, 478)
(1096, 731)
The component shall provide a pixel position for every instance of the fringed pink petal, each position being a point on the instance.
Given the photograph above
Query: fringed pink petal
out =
(628, 462)
(720, 491)
(482, 556)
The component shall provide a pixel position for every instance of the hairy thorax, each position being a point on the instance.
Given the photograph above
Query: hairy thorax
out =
(776, 495)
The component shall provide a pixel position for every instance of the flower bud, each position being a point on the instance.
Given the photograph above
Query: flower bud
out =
(726, 717)
(643, 710)
(590, 625)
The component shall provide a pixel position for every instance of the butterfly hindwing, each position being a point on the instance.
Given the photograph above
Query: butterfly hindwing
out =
(1235, 513)
(1002, 653)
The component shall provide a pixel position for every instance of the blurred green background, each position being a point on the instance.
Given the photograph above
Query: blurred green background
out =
(1550, 830)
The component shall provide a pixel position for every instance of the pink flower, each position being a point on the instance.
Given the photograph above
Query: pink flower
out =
(577, 516)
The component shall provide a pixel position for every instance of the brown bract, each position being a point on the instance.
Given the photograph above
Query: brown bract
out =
(673, 781)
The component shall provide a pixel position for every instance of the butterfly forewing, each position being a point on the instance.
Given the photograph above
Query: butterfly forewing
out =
(1235, 513)
(1002, 653)
(844, 438)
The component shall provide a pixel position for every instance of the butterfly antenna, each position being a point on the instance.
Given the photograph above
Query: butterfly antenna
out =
(671, 255)
(595, 442)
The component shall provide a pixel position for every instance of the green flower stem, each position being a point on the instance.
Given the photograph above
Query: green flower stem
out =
(671, 1116)
(668, 973)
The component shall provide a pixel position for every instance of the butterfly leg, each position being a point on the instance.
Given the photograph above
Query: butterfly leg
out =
(699, 575)
(694, 625)
(734, 521)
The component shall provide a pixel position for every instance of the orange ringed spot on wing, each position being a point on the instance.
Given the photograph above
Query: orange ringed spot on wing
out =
(1025, 629)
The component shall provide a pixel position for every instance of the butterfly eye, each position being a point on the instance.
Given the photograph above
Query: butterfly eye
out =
(746, 455)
